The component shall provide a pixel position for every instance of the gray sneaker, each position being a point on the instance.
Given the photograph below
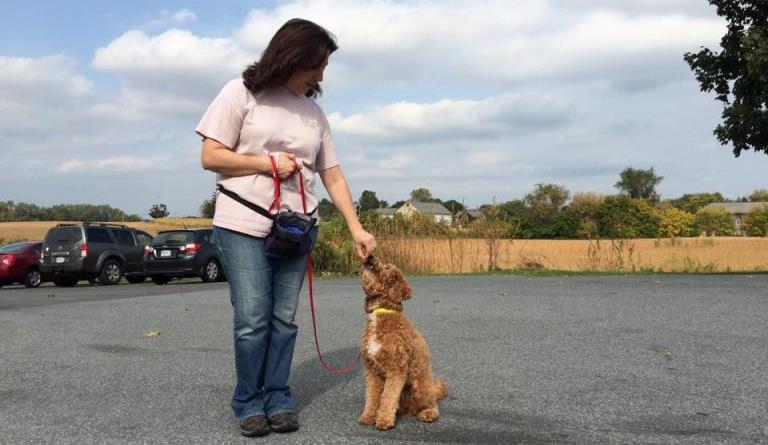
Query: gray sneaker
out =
(284, 422)
(254, 426)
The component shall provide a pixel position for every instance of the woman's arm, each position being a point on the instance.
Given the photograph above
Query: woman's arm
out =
(337, 187)
(218, 158)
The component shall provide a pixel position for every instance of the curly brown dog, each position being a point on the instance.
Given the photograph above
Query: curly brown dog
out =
(398, 372)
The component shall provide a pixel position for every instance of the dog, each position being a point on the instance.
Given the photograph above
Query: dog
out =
(398, 371)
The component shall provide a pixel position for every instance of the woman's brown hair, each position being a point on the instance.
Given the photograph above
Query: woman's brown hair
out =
(298, 45)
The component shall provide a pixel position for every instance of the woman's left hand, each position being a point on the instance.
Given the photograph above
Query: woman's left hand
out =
(364, 243)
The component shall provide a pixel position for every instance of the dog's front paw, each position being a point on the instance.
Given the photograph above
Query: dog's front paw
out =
(428, 415)
(366, 419)
(383, 424)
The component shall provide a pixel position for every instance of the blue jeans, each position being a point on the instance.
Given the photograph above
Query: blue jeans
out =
(265, 294)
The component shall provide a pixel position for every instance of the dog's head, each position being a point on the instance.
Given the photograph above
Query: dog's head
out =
(384, 284)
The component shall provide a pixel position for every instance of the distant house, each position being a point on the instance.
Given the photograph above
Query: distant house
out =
(438, 211)
(738, 209)
(386, 212)
(466, 216)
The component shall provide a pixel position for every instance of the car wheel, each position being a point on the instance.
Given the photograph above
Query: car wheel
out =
(111, 272)
(32, 278)
(65, 281)
(211, 271)
(135, 279)
(160, 279)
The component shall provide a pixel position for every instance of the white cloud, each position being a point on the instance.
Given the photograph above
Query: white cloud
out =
(115, 164)
(171, 18)
(183, 15)
(174, 71)
(491, 40)
(51, 78)
(452, 119)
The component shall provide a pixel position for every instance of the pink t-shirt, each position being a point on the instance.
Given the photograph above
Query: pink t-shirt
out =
(274, 120)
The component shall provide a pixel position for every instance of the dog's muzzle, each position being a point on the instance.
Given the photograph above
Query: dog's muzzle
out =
(371, 262)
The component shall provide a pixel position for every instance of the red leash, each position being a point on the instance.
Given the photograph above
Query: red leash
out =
(353, 364)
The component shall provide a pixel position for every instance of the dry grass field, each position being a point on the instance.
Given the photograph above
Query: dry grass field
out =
(720, 254)
(36, 230)
(423, 255)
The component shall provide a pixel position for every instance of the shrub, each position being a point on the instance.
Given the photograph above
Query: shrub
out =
(756, 222)
(714, 222)
(625, 217)
(675, 222)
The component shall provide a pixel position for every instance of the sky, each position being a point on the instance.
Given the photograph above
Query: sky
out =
(476, 101)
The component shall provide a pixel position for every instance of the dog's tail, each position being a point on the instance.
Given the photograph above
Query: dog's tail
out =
(439, 388)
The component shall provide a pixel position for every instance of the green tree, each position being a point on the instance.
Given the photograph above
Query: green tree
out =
(454, 206)
(397, 205)
(326, 210)
(675, 223)
(541, 215)
(737, 74)
(547, 197)
(693, 202)
(756, 222)
(714, 222)
(639, 183)
(585, 205)
(6, 211)
(158, 211)
(421, 194)
(368, 201)
(625, 217)
(760, 195)
(208, 207)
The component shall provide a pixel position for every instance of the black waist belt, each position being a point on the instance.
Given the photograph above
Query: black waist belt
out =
(255, 207)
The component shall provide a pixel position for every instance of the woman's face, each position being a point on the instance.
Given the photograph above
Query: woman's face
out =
(304, 80)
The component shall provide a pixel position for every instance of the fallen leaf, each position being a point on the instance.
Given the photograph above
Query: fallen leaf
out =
(152, 333)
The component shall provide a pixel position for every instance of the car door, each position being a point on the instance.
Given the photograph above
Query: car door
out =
(99, 240)
(133, 252)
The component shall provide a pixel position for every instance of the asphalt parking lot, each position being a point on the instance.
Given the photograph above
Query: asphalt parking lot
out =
(603, 359)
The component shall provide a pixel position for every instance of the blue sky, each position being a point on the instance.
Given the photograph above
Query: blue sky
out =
(473, 100)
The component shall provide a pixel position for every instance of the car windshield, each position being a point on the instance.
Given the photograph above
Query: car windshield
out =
(173, 237)
(13, 248)
(64, 235)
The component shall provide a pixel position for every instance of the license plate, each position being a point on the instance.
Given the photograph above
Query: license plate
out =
(165, 253)
(60, 259)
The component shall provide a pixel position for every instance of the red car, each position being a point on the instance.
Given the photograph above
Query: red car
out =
(20, 263)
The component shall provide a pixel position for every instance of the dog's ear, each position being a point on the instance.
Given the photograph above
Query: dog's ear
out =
(400, 289)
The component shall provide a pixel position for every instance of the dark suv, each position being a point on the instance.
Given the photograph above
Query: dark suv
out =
(94, 252)
(183, 253)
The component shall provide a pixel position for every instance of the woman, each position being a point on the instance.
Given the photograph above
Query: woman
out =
(270, 112)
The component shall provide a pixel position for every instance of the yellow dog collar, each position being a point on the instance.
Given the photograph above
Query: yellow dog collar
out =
(381, 310)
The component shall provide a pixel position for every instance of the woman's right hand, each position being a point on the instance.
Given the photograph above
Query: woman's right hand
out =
(286, 165)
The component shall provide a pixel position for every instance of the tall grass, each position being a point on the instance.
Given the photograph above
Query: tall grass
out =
(422, 247)
(418, 250)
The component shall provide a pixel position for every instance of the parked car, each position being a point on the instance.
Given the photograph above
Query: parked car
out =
(97, 252)
(183, 253)
(20, 263)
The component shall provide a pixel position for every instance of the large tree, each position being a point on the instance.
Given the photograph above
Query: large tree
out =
(421, 194)
(739, 74)
(547, 197)
(368, 201)
(158, 210)
(760, 195)
(639, 183)
(454, 206)
(208, 207)
(693, 202)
